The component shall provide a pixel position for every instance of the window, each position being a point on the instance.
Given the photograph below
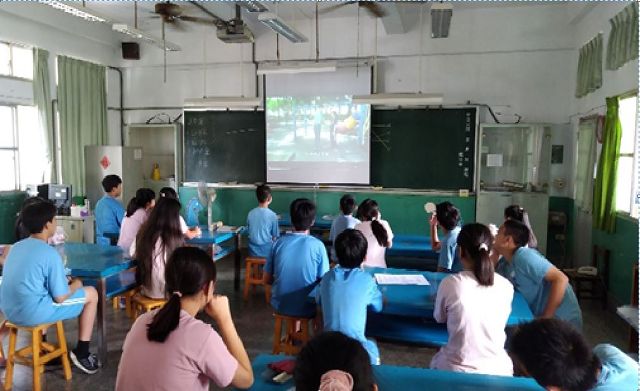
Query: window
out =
(627, 184)
(16, 60)
(22, 148)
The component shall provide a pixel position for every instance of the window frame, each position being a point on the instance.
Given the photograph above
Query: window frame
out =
(12, 70)
(634, 196)
(15, 148)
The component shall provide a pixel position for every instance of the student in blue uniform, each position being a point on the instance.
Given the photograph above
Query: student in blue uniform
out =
(346, 292)
(447, 217)
(342, 222)
(545, 288)
(296, 264)
(262, 223)
(109, 212)
(35, 289)
(557, 356)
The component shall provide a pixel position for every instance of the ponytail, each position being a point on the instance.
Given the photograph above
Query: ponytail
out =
(475, 241)
(165, 321)
(142, 198)
(483, 267)
(380, 232)
(189, 270)
(132, 207)
(368, 211)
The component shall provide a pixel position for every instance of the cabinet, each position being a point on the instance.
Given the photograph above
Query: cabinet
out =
(78, 229)
(514, 168)
(162, 144)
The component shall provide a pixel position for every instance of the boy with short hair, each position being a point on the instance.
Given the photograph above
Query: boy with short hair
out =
(545, 288)
(262, 224)
(109, 212)
(342, 222)
(296, 264)
(447, 217)
(556, 355)
(35, 289)
(346, 292)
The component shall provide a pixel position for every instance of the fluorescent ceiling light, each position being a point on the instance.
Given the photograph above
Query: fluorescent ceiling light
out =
(441, 20)
(141, 35)
(274, 23)
(254, 6)
(79, 12)
(398, 99)
(303, 67)
(222, 102)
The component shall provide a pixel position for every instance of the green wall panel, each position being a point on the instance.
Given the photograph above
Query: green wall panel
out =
(10, 204)
(623, 245)
(405, 212)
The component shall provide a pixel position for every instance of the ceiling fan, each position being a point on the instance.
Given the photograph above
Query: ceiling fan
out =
(172, 14)
(371, 6)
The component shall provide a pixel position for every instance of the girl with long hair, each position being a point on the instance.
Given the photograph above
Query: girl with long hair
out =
(377, 231)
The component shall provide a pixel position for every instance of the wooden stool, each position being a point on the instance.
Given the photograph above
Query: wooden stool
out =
(143, 304)
(128, 306)
(253, 276)
(296, 334)
(31, 355)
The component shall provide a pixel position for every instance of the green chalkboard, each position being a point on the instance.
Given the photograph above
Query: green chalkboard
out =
(423, 148)
(224, 146)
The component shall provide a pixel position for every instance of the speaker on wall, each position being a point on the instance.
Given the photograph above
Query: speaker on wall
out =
(130, 51)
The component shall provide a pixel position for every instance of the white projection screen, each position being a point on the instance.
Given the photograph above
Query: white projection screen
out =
(314, 133)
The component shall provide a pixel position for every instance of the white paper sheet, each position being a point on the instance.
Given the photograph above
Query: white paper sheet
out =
(494, 160)
(401, 279)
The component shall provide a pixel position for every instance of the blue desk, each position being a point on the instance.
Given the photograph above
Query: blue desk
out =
(407, 314)
(104, 265)
(320, 224)
(230, 243)
(412, 246)
(392, 378)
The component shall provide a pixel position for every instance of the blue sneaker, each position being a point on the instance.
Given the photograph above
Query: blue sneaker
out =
(87, 365)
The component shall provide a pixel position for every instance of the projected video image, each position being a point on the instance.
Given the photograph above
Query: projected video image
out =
(317, 129)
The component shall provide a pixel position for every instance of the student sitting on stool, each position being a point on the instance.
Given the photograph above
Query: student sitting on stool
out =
(109, 212)
(545, 288)
(346, 291)
(342, 222)
(262, 223)
(447, 217)
(296, 264)
(35, 290)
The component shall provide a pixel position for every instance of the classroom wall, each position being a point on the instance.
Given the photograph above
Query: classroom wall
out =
(404, 212)
(42, 26)
(624, 242)
(495, 55)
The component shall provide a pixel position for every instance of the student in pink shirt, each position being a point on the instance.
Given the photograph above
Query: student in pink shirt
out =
(189, 233)
(377, 231)
(137, 213)
(475, 304)
(154, 244)
(169, 349)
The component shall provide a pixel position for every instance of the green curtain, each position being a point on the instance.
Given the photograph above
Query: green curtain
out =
(604, 193)
(82, 103)
(623, 39)
(42, 100)
(589, 67)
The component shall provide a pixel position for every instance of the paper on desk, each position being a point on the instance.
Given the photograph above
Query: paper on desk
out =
(401, 279)
(227, 228)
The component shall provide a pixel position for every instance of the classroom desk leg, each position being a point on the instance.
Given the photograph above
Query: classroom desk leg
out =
(100, 319)
(236, 266)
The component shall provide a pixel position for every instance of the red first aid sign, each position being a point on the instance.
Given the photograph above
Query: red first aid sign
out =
(104, 162)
